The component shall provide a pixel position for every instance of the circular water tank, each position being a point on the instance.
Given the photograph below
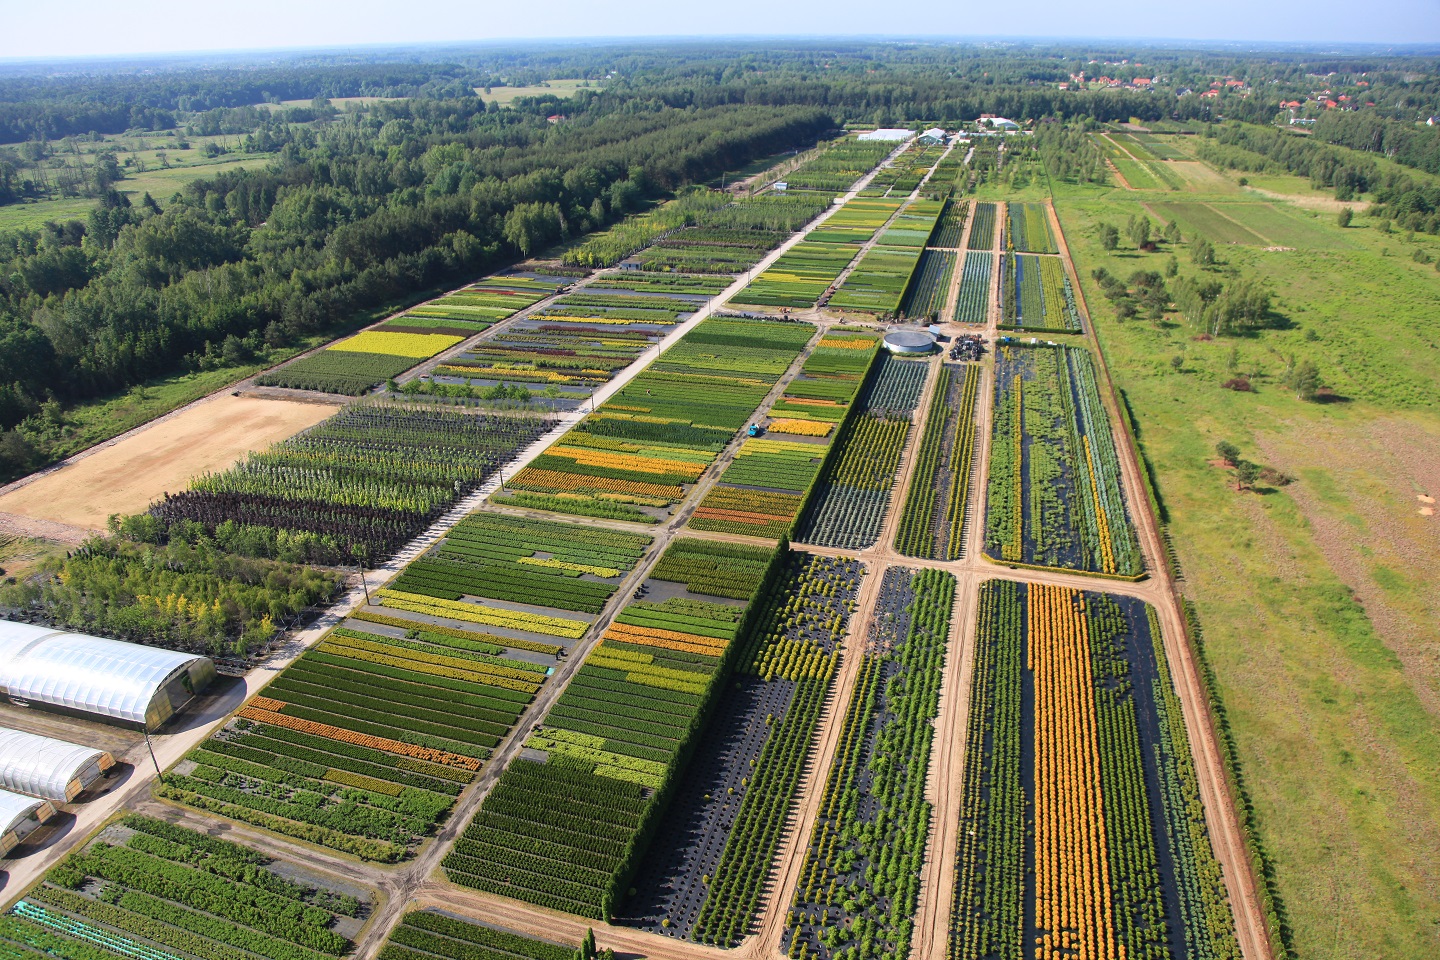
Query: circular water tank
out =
(909, 341)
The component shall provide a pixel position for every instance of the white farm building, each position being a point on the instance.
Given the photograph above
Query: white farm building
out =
(95, 677)
(19, 816)
(48, 768)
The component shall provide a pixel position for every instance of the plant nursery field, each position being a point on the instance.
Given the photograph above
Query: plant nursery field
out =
(1027, 228)
(1036, 295)
(147, 889)
(1055, 496)
(1081, 826)
(880, 280)
(860, 882)
(354, 487)
(716, 846)
(650, 442)
(936, 511)
(852, 494)
(323, 755)
(427, 935)
(982, 227)
(763, 490)
(570, 832)
(355, 365)
(973, 303)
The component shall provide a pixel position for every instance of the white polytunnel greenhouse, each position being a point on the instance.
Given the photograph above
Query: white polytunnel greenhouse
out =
(49, 768)
(20, 816)
(96, 677)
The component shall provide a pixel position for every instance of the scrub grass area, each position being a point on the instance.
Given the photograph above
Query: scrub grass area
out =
(1316, 597)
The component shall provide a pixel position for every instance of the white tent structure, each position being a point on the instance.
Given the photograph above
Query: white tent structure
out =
(19, 816)
(48, 768)
(95, 677)
(887, 135)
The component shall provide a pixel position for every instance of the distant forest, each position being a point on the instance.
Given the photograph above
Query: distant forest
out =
(437, 183)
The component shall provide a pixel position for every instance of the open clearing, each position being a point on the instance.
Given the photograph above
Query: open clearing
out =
(127, 476)
(508, 95)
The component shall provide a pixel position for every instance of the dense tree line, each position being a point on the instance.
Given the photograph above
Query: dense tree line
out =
(373, 208)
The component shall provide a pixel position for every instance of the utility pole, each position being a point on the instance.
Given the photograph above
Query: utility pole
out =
(360, 569)
(151, 747)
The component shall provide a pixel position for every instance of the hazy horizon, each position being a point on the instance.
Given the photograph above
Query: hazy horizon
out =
(168, 27)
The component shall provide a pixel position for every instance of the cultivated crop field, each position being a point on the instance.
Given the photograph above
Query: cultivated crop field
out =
(650, 442)
(1027, 228)
(1036, 295)
(727, 820)
(861, 875)
(935, 516)
(1055, 497)
(354, 487)
(853, 492)
(569, 832)
(144, 887)
(973, 303)
(762, 492)
(1081, 826)
(982, 227)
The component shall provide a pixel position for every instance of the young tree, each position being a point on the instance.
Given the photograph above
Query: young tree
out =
(1227, 452)
(1109, 236)
(1140, 233)
(1305, 380)
(1202, 253)
(1172, 232)
(1246, 473)
(1344, 217)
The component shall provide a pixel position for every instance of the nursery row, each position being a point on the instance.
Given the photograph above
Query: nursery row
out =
(1036, 294)
(838, 165)
(1027, 227)
(933, 521)
(973, 303)
(649, 442)
(982, 227)
(151, 890)
(860, 880)
(852, 492)
(1081, 823)
(710, 891)
(570, 832)
(930, 288)
(363, 742)
(353, 488)
(425, 935)
(1055, 497)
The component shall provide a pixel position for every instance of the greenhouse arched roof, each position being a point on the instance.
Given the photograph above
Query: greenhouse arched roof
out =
(14, 808)
(111, 678)
(46, 767)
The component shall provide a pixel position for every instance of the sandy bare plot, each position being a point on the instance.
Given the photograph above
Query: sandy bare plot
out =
(128, 476)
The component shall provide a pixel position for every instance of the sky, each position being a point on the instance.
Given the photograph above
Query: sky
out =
(86, 28)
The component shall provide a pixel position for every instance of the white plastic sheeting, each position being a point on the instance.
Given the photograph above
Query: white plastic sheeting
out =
(20, 815)
(123, 681)
(49, 768)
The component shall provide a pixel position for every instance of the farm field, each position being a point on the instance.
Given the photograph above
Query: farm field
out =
(727, 820)
(852, 493)
(935, 516)
(838, 166)
(1027, 228)
(426, 934)
(1081, 821)
(145, 887)
(1036, 295)
(762, 492)
(574, 344)
(558, 828)
(861, 875)
(982, 227)
(355, 365)
(880, 280)
(355, 486)
(951, 226)
(973, 303)
(128, 476)
(1055, 498)
(930, 287)
(702, 232)
(649, 443)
